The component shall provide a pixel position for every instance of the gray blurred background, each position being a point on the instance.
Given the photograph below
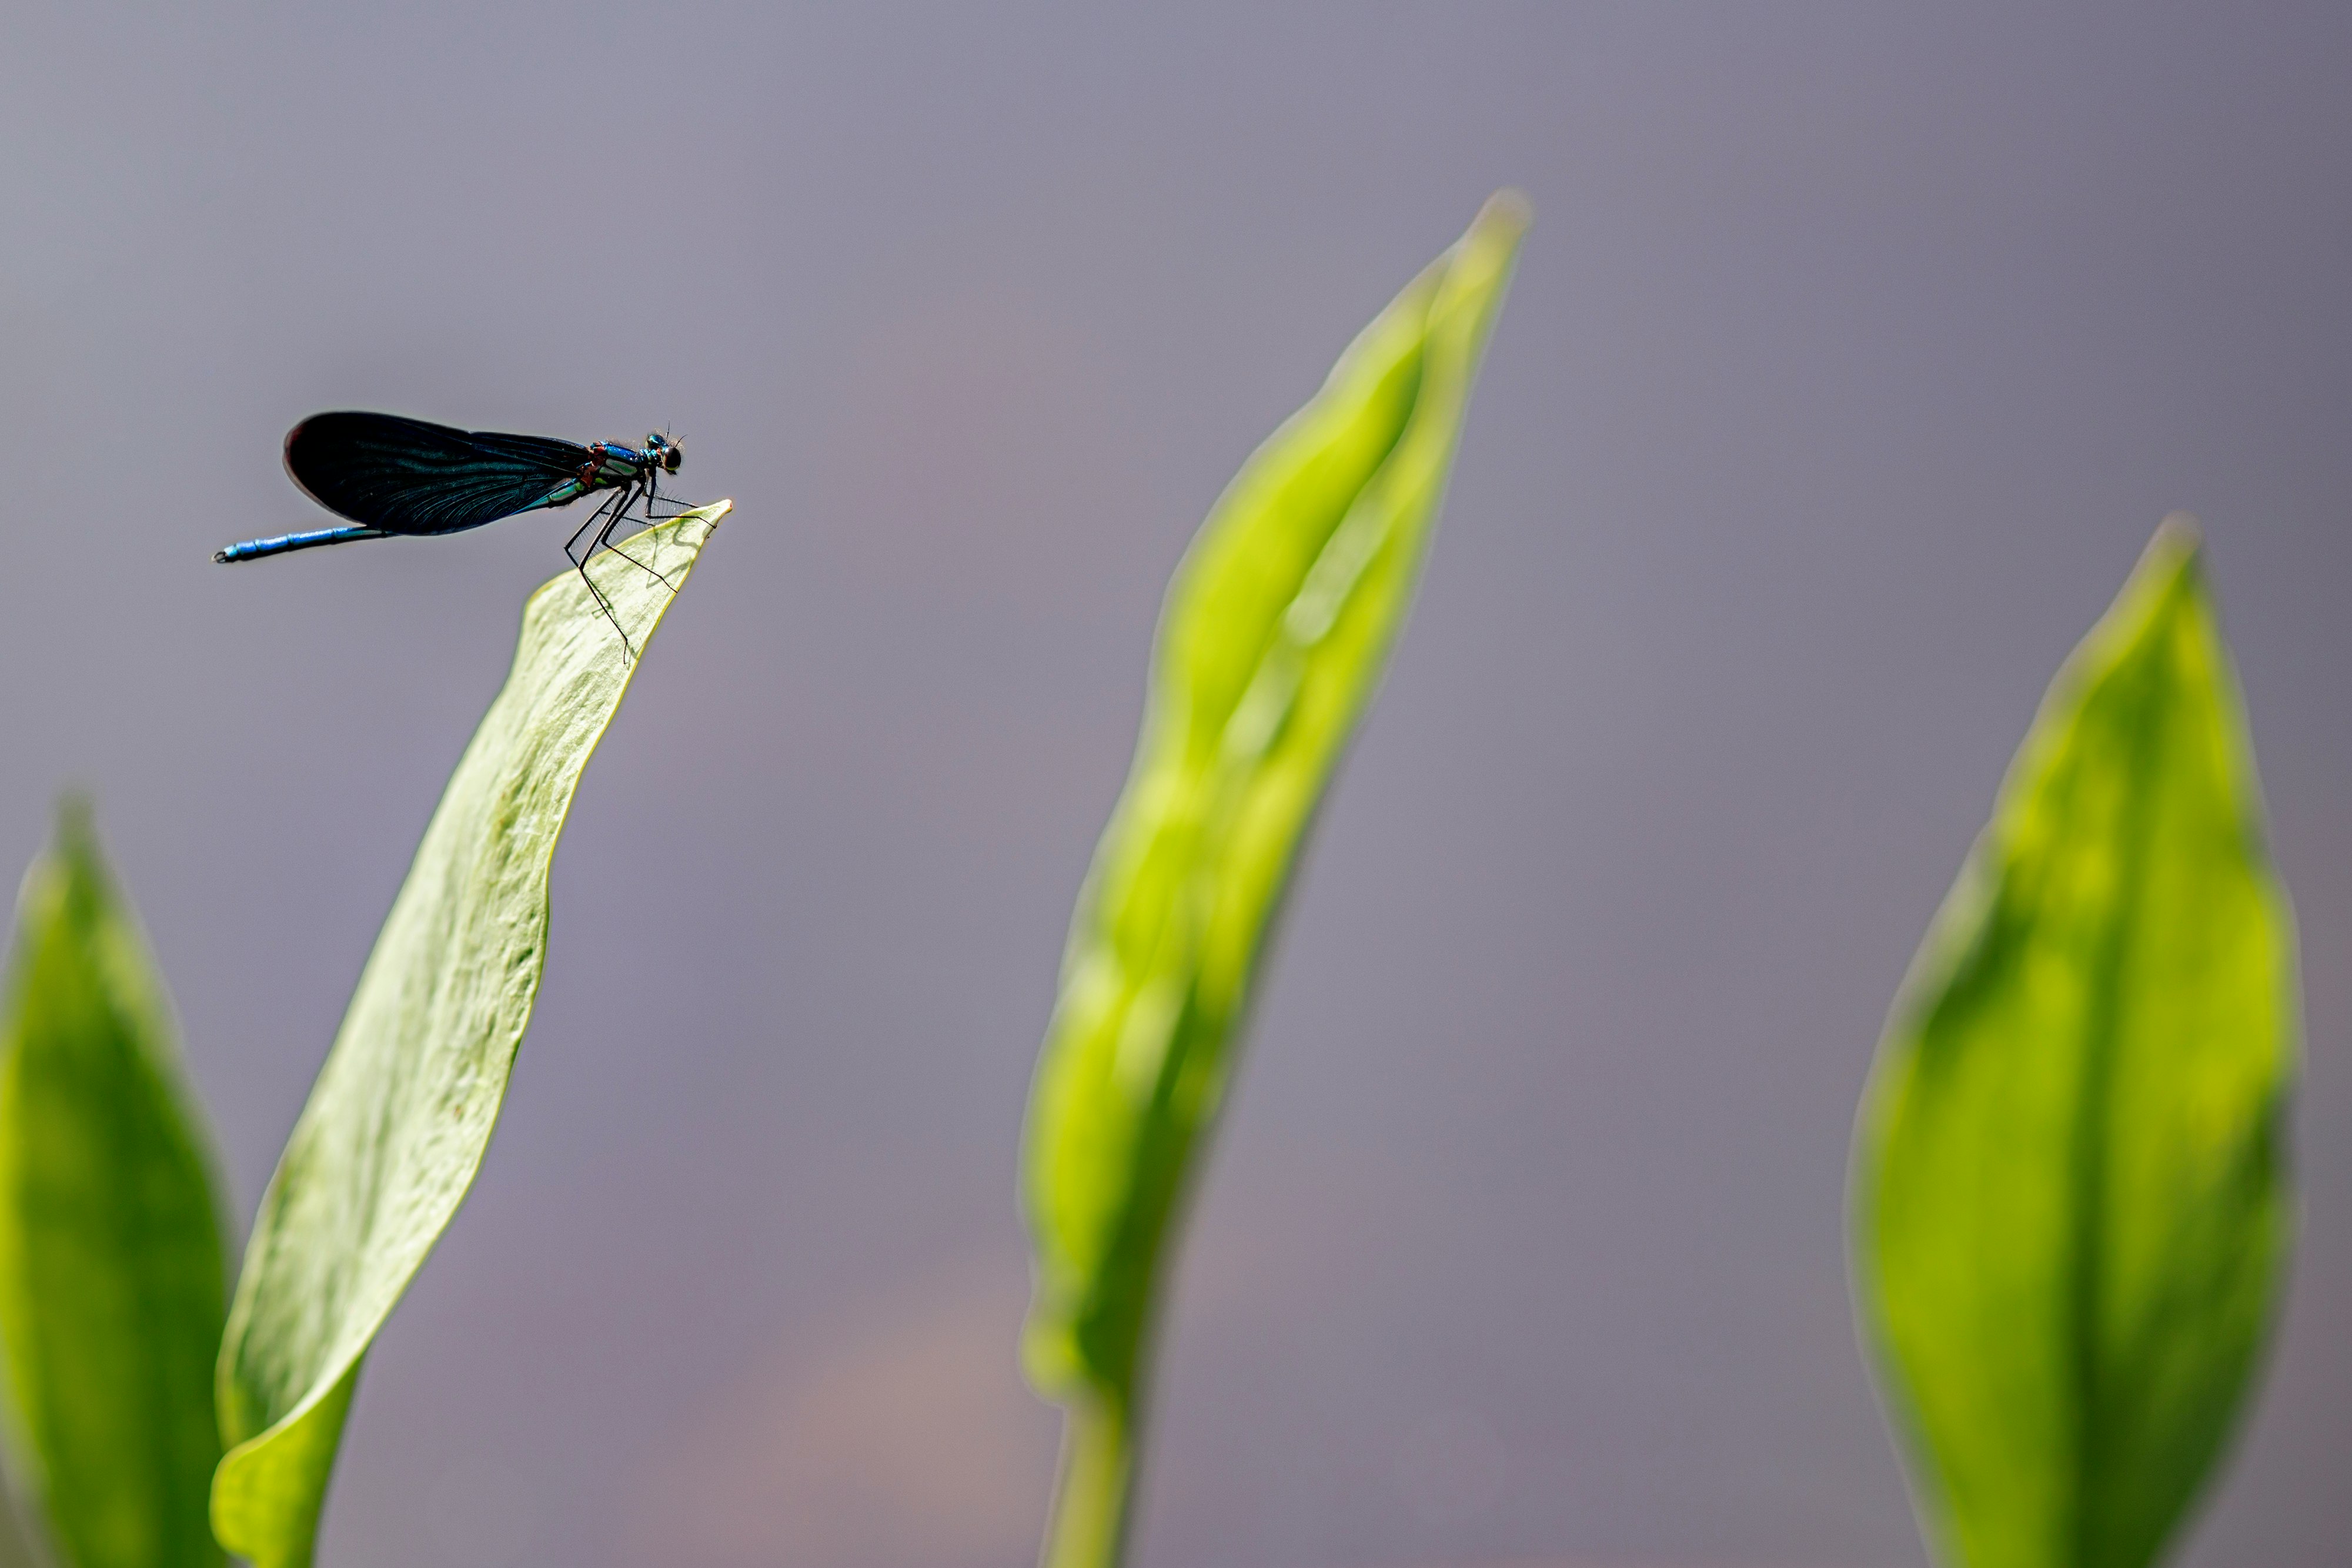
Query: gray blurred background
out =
(1852, 358)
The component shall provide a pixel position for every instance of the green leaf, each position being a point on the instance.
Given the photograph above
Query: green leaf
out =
(2071, 1211)
(402, 1112)
(112, 1285)
(1276, 630)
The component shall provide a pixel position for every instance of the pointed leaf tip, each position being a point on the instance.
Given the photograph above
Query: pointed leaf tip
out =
(2072, 1208)
(1506, 212)
(401, 1116)
(1273, 638)
(112, 1277)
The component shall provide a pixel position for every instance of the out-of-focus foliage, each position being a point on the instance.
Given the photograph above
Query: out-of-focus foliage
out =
(2071, 1210)
(112, 1283)
(402, 1113)
(1276, 630)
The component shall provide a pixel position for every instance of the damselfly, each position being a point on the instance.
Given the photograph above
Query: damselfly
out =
(396, 477)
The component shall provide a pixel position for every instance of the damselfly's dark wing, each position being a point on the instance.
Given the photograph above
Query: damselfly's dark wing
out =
(408, 476)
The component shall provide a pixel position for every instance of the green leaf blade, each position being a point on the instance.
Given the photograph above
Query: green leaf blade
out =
(1275, 632)
(2071, 1205)
(112, 1282)
(402, 1113)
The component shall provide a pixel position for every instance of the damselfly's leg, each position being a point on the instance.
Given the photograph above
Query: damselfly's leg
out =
(677, 510)
(594, 517)
(653, 489)
(611, 516)
(655, 497)
(579, 564)
(605, 538)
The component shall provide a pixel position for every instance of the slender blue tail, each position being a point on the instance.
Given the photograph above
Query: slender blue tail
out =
(254, 550)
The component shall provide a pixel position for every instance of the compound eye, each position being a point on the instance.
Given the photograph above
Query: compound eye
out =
(671, 458)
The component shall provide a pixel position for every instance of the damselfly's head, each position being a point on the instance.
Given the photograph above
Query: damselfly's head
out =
(667, 453)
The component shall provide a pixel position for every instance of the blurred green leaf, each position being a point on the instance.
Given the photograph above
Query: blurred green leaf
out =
(2071, 1207)
(1275, 632)
(112, 1285)
(402, 1112)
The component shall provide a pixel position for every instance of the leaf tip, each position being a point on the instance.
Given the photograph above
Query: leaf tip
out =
(2174, 559)
(2180, 537)
(706, 516)
(72, 865)
(1507, 213)
(77, 816)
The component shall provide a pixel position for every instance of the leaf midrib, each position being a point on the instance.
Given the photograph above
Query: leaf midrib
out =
(2138, 696)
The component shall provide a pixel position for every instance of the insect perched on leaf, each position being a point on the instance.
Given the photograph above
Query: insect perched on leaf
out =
(397, 478)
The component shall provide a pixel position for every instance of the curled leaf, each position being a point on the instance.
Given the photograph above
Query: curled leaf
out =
(402, 1113)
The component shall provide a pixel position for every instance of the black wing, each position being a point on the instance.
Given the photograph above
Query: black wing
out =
(407, 477)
